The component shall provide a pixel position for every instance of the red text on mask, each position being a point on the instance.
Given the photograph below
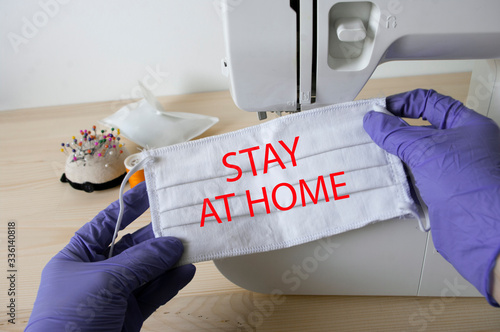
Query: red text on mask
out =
(271, 156)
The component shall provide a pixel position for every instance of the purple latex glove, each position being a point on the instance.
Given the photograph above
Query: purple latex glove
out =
(82, 290)
(456, 165)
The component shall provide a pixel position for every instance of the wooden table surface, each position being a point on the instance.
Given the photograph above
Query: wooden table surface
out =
(48, 212)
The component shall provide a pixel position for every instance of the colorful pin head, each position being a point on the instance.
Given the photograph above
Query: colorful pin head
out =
(92, 146)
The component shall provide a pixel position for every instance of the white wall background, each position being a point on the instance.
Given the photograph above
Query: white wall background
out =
(55, 52)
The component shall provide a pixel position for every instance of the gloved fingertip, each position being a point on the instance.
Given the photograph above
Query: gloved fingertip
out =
(373, 114)
(368, 115)
(407, 103)
(168, 244)
(150, 258)
(188, 271)
(170, 249)
(386, 130)
(371, 121)
(172, 242)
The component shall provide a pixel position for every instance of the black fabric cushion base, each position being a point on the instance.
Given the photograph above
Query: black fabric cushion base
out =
(90, 187)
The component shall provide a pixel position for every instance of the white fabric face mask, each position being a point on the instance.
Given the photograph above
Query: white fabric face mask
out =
(148, 124)
(292, 180)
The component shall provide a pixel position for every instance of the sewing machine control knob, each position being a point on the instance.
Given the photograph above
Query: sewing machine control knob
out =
(350, 29)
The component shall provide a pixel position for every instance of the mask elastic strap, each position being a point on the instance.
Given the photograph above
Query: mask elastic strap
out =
(421, 215)
(134, 169)
(423, 220)
(424, 227)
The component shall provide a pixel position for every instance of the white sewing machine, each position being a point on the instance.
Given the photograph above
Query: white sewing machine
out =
(289, 55)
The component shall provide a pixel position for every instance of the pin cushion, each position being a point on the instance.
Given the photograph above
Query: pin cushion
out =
(95, 160)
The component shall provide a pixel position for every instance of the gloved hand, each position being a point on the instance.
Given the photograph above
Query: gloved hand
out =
(456, 166)
(82, 290)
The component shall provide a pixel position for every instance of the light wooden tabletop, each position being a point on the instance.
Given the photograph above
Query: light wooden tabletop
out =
(48, 212)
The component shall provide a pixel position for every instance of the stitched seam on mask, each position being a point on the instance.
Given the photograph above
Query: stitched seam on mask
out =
(293, 184)
(153, 200)
(391, 170)
(286, 244)
(403, 191)
(286, 119)
(322, 201)
(262, 169)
